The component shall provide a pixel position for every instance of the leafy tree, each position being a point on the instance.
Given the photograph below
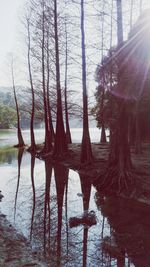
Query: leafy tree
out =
(8, 117)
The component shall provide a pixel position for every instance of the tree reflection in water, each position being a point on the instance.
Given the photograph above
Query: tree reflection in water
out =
(20, 154)
(120, 238)
(130, 223)
(34, 194)
(86, 192)
(47, 214)
(61, 177)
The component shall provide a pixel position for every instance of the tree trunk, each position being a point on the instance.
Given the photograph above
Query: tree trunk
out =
(86, 149)
(48, 98)
(131, 130)
(60, 144)
(120, 146)
(33, 145)
(48, 137)
(138, 148)
(68, 133)
(118, 176)
(103, 134)
(19, 133)
(119, 23)
(131, 14)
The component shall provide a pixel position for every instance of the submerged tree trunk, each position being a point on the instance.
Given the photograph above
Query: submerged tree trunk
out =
(19, 133)
(60, 144)
(33, 145)
(86, 149)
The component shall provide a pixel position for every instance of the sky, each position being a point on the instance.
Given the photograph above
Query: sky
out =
(9, 20)
(9, 29)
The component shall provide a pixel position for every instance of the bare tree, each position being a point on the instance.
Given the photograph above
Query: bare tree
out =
(68, 133)
(19, 132)
(33, 145)
(60, 145)
(86, 149)
(103, 134)
(48, 135)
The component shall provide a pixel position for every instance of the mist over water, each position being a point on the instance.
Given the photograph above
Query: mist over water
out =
(9, 137)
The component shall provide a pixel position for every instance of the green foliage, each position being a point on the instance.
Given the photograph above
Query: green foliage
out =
(8, 117)
(106, 77)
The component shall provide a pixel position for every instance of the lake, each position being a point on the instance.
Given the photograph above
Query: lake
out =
(9, 137)
(69, 223)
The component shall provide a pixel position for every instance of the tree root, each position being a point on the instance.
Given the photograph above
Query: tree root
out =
(20, 146)
(117, 180)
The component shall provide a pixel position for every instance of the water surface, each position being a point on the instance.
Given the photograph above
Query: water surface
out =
(40, 199)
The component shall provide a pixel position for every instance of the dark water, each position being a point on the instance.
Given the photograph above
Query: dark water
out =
(39, 199)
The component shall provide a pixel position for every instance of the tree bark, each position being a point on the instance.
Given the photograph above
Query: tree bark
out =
(119, 23)
(33, 145)
(131, 14)
(86, 149)
(60, 144)
(103, 134)
(68, 133)
(48, 137)
(118, 175)
(19, 132)
(138, 148)
(48, 87)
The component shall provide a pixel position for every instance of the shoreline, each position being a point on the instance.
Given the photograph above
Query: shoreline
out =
(141, 168)
(15, 250)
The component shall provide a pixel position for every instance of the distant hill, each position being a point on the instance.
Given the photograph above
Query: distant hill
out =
(8, 89)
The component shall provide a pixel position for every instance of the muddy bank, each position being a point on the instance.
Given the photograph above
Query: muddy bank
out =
(15, 251)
